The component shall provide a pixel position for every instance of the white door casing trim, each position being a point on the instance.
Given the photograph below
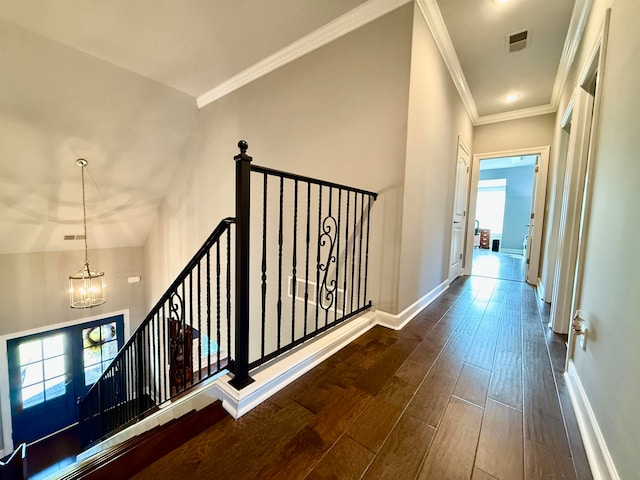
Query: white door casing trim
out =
(555, 203)
(594, 69)
(541, 186)
(570, 213)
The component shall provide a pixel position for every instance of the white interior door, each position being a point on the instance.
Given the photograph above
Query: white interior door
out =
(463, 164)
(534, 242)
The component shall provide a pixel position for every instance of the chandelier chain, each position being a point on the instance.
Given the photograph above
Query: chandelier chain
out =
(84, 220)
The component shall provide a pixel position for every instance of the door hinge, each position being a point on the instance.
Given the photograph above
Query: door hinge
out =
(537, 168)
(467, 169)
(533, 215)
(460, 256)
(528, 261)
(464, 213)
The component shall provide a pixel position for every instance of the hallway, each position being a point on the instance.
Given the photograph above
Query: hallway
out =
(472, 387)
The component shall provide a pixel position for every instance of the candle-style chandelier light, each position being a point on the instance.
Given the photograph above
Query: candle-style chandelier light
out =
(87, 288)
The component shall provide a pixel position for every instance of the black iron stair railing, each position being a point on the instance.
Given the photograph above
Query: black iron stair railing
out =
(184, 340)
(312, 275)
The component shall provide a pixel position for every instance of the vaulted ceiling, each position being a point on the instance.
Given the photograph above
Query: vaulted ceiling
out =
(75, 76)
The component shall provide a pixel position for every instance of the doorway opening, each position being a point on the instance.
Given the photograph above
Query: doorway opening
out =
(507, 189)
(503, 209)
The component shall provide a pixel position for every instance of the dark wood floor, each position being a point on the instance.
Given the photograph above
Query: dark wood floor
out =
(502, 265)
(471, 388)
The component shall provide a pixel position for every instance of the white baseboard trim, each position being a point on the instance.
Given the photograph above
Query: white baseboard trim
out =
(600, 461)
(276, 376)
(398, 321)
(513, 251)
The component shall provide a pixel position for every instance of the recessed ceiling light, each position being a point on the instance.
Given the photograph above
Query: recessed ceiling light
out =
(512, 97)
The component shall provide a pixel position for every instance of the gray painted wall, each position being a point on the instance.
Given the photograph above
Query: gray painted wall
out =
(517, 207)
(608, 368)
(338, 113)
(429, 177)
(46, 275)
(514, 134)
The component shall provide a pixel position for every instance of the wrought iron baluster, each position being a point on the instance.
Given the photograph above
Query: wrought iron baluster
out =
(346, 255)
(151, 364)
(327, 272)
(327, 239)
(148, 366)
(208, 290)
(280, 237)
(264, 263)
(318, 293)
(191, 325)
(228, 295)
(306, 270)
(200, 334)
(366, 263)
(335, 309)
(294, 286)
(156, 356)
(184, 340)
(165, 345)
(218, 308)
(360, 247)
(353, 253)
(130, 383)
(127, 380)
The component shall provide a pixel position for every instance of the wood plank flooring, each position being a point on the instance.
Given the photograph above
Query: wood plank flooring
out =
(506, 266)
(471, 388)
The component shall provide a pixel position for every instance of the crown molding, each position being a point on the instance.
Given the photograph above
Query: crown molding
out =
(433, 17)
(350, 21)
(579, 17)
(374, 9)
(516, 114)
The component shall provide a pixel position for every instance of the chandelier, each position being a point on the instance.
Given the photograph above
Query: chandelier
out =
(87, 288)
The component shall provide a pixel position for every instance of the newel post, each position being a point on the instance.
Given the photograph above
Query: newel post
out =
(243, 197)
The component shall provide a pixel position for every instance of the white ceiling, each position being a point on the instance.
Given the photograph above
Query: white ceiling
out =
(478, 31)
(116, 82)
(190, 45)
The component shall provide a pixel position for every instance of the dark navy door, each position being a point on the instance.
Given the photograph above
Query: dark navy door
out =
(49, 371)
(41, 385)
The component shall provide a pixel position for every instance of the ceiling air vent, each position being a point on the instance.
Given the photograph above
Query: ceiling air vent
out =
(74, 237)
(517, 41)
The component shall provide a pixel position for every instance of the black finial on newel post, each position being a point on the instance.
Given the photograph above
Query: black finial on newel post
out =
(241, 376)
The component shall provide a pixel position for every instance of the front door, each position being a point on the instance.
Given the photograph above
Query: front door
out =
(49, 371)
(459, 210)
